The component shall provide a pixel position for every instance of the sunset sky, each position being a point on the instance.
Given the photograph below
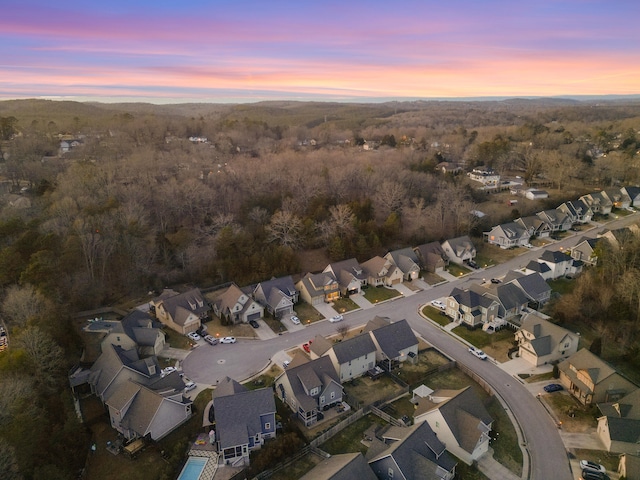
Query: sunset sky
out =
(350, 50)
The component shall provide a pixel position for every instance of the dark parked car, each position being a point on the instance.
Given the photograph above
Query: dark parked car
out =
(553, 387)
(254, 324)
(496, 280)
(472, 264)
(591, 475)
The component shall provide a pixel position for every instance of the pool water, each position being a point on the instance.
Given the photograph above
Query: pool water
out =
(193, 468)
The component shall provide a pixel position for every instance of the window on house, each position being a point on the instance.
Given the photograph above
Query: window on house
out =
(322, 400)
(390, 473)
(333, 395)
(267, 426)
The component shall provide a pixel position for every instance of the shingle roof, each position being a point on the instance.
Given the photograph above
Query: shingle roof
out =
(533, 284)
(316, 373)
(471, 299)
(417, 452)
(238, 415)
(555, 256)
(394, 337)
(624, 429)
(226, 387)
(583, 360)
(346, 466)
(355, 347)
(181, 305)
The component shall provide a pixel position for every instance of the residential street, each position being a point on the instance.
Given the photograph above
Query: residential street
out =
(548, 459)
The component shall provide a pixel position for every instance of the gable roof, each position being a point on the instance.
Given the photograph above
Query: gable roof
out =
(467, 418)
(282, 284)
(547, 335)
(460, 245)
(624, 429)
(531, 284)
(346, 270)
(539, 267)
(392, 337)
(238, 415)
(627, 407)
(355, 347)
(512, 230)
(316, 373)
(430, 252)
(226, 387)
(346, 466)
(182, 305)
(470, 298)
(555, 256)
(315, 283)
(417, 452)
(583, 360)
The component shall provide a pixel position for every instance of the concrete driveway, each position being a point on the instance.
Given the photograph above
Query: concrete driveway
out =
(359, 300)
(264, 332)
(326, 310)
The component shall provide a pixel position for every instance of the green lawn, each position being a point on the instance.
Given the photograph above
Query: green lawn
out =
(349, 440)
(480, 338)
(562, 285)
(457, 270)
(505, 444)
(380, 294)
(307, 314)
(343, 305)
(435, 314)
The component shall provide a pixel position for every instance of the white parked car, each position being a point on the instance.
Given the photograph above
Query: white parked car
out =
(228, 340)
(193, 336)
(478, 353)
(438, 304)
(168, 370)
(295, 320)
(592, 466)
(337, 318)
(189, 386)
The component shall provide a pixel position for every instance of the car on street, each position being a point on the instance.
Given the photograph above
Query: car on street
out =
(211, 340)
(478, 353)
(337, 318)
(228, 340)
(189, 386)
(553, 387)
(254, 324)
(295, 320)
(438, 304)
(193, 336)
(592, 466)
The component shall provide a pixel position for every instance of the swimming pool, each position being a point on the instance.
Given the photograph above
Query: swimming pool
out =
(193, 468)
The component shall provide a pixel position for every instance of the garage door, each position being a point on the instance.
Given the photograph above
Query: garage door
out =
(253, 316)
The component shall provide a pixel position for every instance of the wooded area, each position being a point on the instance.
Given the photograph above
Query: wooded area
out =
(151, 196)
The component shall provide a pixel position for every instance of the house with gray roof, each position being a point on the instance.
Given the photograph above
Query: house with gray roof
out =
(560, 263)
(349, 274)
(629, 465)
(432, 257)
(511, 299)
(619, 424)
(353, 357)
(542, 342)
(237, 306)
(395, 341)
(531, 283)
(459, 420)
(345, 466)
(618, 197)
(592, 380)
(618, 237)
(244, 420)
(278, 296)
(309, 387)
(381, 272)
(577, 210)
(508, 235)
(633, 192)
(407, 261)
(413, 453)
(598, 202)
(182, 312)
(471, 308)
(585, 251)
(459, 250)
(139, 411)
(535, 225)
(316, 288)
(557, 220)
(539, 267)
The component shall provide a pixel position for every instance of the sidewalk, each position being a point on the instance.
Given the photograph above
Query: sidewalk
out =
(493, 469)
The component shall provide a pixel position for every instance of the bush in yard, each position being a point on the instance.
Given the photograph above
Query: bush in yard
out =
(273, 452)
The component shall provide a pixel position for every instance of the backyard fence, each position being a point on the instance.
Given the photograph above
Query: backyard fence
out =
(337, 428)
(293, 458)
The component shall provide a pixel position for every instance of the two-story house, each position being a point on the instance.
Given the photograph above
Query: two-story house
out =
(432, 257)
(236, 306)
(471, 308)
(395, 341)
(557, 220)
(381, 272)
(560, 263)
(619, 424)
(577, 210)
(410, 453)
(533, 224)
(316, 288)
(309, 387)
(488, 177)
(592, 380)
(244, 420)
(511, 299)
(407, 261)
(532, 284)
(349, 274)
(182, 312)
(598, 202)
(585, 251)
(508, 235)
(459, 250)
(353, 357)
(541, 342)
(460, 421)
(278, 296)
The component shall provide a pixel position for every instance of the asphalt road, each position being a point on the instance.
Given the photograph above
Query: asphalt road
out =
(548, 459)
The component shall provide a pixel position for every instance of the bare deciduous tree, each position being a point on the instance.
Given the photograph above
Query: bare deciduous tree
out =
(285, 228)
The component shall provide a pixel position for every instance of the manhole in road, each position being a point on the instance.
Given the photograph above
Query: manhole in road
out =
(221, 361)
